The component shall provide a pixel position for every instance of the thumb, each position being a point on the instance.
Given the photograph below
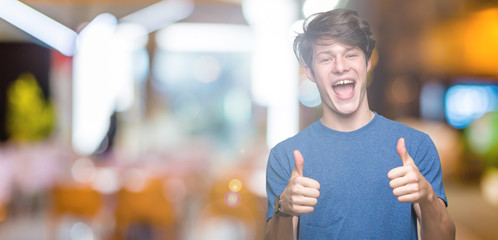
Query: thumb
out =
(298, 163)
(403, 153)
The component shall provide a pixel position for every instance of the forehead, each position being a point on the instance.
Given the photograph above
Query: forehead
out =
(331, 45)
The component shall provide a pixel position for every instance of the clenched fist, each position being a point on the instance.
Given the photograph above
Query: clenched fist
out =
(301, 194)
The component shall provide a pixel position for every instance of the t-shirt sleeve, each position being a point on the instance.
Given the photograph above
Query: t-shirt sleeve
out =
(277, 177)
(429, 164)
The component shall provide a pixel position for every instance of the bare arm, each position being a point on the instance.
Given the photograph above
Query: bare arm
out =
(434, 219)
(279, 227)
(409, 185)
(299, 197)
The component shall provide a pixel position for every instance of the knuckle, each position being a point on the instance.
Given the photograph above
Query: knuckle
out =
(293, 200)
(416, 196)
(295, 179)
(294, 191)
(413, 178)
(292, 207)
(308, 210)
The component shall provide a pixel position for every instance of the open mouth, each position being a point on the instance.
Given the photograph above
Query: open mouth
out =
(344, 89)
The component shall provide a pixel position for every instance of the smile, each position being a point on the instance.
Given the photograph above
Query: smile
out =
(344, 89)
(343, 82)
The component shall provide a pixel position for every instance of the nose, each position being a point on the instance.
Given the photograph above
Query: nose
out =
(339, 66)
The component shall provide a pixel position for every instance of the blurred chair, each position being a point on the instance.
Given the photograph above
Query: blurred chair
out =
(144, 214)
(73, 202)
(76, 200)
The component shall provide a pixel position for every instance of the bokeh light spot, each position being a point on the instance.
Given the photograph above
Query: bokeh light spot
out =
(135, 180)
(81, 231)
(403, 89)
(309, 95)
(235, 185)
(83, 170)
(206, 69)
(232, 199)
(489, 186)
(106, 181)
(467, 102)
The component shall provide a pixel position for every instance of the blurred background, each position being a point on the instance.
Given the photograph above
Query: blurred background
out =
(147, 119)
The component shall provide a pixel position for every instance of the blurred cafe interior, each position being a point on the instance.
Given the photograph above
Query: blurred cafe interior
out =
(150, 119)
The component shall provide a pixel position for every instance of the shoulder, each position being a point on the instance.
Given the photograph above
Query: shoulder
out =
(301, 138)
(402, 130)
(417, 142)
(283, 151)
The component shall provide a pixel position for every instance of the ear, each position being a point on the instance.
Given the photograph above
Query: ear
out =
(309, 73)
(369, 65)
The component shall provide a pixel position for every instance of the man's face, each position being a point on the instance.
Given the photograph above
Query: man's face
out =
(340, 72)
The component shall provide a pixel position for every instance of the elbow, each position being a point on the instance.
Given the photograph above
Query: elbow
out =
(448, 230)
(451, 229)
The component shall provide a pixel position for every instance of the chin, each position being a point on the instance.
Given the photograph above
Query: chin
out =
(347, 113)
(347, 109)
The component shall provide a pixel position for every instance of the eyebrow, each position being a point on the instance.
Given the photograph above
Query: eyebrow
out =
(328, 52)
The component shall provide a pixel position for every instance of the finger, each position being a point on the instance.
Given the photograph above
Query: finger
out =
(398, 182)
(396, 173)
(303, 209)
(308, 182)
(304, 201)
(309, 193)
(405, 190)
(298, 163)
(403, 154)
(412, 197)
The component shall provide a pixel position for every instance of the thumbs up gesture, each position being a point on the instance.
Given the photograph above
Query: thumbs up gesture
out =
(301, 194)
(408, 184)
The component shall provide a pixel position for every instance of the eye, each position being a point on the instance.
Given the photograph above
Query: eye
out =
(352, 55)
(325, 60)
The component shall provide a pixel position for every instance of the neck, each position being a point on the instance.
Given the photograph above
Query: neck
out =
(348, 123)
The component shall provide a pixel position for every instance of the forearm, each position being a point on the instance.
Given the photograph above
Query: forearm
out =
(434, 220)
(279, 227)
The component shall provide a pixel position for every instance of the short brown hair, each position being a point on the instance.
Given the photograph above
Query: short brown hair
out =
(339, 24)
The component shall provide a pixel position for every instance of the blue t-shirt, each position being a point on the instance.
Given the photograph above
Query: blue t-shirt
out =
(356, 201)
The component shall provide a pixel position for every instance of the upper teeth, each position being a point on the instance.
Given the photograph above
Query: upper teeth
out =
(343, 82)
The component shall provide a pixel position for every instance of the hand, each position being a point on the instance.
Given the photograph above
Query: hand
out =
(301, 194)
(408, 184)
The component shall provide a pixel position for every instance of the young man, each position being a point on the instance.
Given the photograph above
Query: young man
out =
(353, 174)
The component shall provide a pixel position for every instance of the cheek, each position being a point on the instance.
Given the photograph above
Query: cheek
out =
(321, 74)
(321, 83)
(321, 89)
(362, 72)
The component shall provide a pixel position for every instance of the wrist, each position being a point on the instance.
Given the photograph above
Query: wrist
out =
(431, 197)
(277, 207)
